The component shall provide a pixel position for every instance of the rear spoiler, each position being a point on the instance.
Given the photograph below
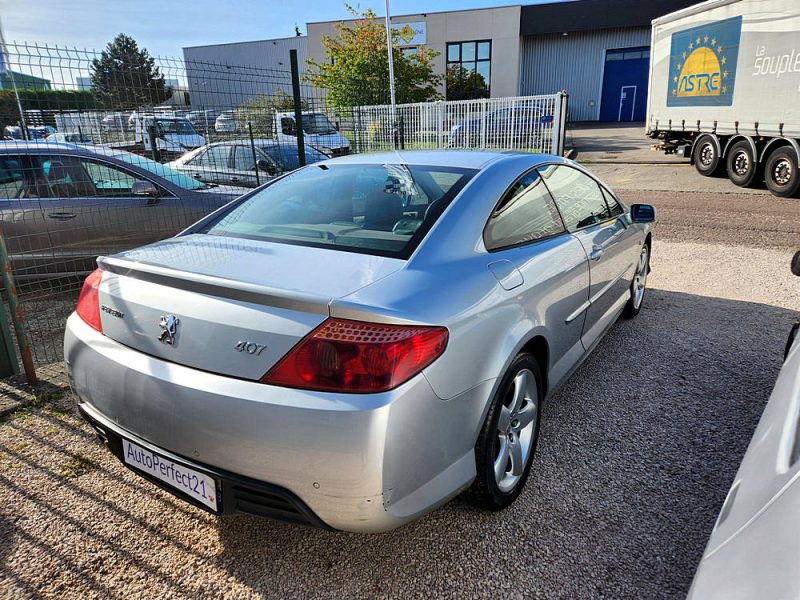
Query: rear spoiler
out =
(216, 286)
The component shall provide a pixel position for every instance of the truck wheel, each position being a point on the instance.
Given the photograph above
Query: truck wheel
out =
(742, 165)
(706, 157)
(781, 172)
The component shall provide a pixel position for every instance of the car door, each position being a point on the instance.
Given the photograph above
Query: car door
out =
(91, 209)
(245, 166)
(213, 165)
(609, 243)
(142, 217)
(543, 267)
(24, 228)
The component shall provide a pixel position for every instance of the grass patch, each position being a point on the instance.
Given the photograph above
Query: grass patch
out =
(43, 399)
(77, 464)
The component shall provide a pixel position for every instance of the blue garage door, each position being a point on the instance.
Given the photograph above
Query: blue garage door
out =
(625, 85)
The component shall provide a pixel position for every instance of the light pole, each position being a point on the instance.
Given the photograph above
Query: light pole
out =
(391, 70)
(5, 66)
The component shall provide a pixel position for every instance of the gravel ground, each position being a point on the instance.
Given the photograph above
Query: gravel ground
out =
(637, 452)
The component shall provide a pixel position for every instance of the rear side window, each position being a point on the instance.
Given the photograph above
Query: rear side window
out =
(525, 214)
(371, 209)
(577, 196)
(72, 177)
(12, 184)
(215, 157)
(243, 158)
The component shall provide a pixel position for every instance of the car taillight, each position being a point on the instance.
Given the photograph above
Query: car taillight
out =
(358, 357)
(88, 307)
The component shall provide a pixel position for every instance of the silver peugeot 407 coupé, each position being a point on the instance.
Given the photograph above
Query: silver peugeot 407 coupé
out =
(360, 340)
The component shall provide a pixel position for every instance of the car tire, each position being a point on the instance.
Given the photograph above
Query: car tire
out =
(507, 441)
(781, 173)
(707, 160)
(639, 284)
(742, 165)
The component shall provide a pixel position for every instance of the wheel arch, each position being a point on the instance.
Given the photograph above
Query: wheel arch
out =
(780, 142)
(540, 349)
(739, 138)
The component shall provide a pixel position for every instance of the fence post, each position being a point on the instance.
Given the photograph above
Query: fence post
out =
(298, 108)
(440, 123)
(253, 149)
(559, 124)
(16, 311)
(151, 131)
(401, 124)
(483, 123)
(8, 357)
(358, 134)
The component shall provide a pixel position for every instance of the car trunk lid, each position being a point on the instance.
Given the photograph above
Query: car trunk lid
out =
(226, 305)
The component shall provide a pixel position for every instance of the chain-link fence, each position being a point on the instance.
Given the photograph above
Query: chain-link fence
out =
(104, 154)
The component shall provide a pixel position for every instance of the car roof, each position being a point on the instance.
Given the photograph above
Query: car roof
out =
(49, 146)
(468, 159)
(255, 142)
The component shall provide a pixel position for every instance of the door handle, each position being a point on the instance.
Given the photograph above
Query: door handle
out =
(596, 253)
(235, 179)
(197, 176)
(61, 216)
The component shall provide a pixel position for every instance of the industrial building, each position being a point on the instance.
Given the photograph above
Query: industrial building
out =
(597, 50)
(225, 75)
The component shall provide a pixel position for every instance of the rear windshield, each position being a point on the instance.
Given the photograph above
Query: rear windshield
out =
(371, 209)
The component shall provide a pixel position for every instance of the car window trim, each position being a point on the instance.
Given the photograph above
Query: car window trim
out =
(590, 176)
(526, 242)
(607, 193)
(37, 152)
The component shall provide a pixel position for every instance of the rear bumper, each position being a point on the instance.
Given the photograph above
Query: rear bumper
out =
(236, 493)
(357, 462)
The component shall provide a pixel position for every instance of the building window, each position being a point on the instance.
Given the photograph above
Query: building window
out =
(469, 69)
(627, 54)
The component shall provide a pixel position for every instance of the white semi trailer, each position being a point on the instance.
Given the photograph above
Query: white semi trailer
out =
(725, 90)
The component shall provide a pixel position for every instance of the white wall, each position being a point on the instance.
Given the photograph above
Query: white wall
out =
(501, 25)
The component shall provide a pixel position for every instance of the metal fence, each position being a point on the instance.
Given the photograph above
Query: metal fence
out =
(529, 123)
(96, 165)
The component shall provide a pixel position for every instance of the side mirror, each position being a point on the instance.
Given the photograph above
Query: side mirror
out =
(796, 263)
(264, 165)
(643, 213)
(144, 188)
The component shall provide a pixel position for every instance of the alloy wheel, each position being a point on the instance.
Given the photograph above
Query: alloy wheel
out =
(516, 428)
(640, 279)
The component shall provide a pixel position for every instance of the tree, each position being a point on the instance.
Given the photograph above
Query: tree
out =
(357, 70)
(126, 77)
(465, 84)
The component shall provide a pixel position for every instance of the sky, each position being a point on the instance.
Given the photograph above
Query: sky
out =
(164, 27)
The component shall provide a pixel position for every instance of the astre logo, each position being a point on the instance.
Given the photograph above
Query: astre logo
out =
(700, 74)
(407, 34)
(703, 64)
